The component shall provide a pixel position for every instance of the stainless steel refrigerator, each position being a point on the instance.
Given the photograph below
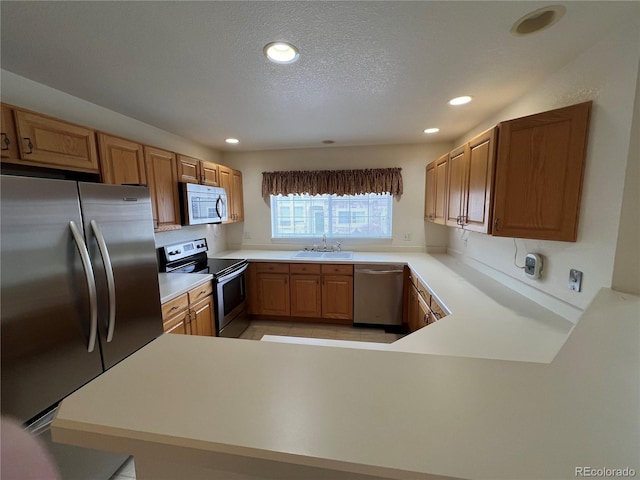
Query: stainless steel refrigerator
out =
(79, 293)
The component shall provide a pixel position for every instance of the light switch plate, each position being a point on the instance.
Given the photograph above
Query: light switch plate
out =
(575, 280)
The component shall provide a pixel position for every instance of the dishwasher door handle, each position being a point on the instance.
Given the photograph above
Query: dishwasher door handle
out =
(378, 272)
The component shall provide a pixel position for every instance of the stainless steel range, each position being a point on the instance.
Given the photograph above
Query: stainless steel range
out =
(229, 282)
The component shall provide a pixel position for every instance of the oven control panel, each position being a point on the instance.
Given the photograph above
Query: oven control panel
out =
(185, 249)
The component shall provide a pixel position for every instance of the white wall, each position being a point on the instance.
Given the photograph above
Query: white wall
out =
(22, 92)
(607, 74)
(408, 211)
(626, 270)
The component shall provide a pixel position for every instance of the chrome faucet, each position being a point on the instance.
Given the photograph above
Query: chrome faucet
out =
(324, 241)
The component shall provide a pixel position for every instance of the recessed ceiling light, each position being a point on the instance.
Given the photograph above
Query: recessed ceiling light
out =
(233, 141)
(460, 100)
(432, 130)
(538, 20)
(281, 52)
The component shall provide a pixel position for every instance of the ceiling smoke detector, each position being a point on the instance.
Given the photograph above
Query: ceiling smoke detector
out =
(538, 20)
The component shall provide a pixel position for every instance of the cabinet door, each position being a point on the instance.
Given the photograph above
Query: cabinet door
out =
(226, 182)
(540, 165)
(121, 161)
(237, 200)
(202, 316)
(253, 305)
(306, 296)
(9, 141)
(188, 169)
(52, 143)
(273, 294)
(163, 185)
(440, 197)
(337, 297)
(430, 193)
(477, 211)
(177, 324)
(209, 174)
(457, 185)
(412, 309)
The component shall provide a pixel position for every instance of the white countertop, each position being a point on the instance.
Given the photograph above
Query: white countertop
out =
(173, 285)
(394, 414)
(486, 320)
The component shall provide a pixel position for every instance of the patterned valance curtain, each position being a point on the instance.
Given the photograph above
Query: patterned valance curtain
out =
(339, 182)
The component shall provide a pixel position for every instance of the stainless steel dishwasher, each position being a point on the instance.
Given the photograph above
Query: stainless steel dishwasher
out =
(378, 295)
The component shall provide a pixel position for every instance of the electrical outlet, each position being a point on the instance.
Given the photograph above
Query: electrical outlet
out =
(247, 236)
(407, 237)
(575, 280)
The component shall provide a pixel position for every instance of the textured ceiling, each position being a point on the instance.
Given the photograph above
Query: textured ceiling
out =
(369, 72)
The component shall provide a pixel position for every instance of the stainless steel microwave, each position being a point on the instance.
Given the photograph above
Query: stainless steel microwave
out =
(203, 204)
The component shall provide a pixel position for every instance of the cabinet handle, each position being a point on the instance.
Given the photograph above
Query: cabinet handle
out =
(30, 145)
(5, 141)
(174, 308)
(496, 223)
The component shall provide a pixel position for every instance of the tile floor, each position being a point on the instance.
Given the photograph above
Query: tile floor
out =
(315, 330)
(311, 330)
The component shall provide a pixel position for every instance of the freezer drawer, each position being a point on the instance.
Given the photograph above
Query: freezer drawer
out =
(378, 294)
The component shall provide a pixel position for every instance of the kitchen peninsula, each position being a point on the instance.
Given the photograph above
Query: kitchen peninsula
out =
(282, 410)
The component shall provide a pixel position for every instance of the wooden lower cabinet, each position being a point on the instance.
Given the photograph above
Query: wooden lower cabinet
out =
(191, 313)
(422, 309)
(272, 285)
(306, 290)
(301, 290)
(337, 292)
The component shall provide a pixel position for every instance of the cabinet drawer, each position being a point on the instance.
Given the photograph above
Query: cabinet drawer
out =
(174, 306)
(305, 268)
(338, 269)
(272, 267)
(200, 292)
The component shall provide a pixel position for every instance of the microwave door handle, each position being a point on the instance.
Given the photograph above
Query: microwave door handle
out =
(91, 284)
(218, 202)
(111, 284)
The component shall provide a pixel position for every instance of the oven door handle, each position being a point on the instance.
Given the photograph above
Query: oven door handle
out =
(232, 275)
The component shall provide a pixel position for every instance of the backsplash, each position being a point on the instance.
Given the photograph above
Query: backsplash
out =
(214, 233)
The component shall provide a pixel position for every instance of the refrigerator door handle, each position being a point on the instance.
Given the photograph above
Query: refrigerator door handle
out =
(111, 284)
(91, 284)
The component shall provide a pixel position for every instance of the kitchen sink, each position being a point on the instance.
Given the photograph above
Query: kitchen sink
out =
(308, 254)
(323, 255)
(338, 255)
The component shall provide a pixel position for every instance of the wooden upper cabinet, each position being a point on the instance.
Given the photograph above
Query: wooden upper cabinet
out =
(237, 200)
(121, 160)
(231, 181)
(52, 143)
(457, 185)
(162, 178)
(9, 141)
(477, 210)
(209, 174)
(435, 203)
(192, 170)
(188, 169)
(539, 171)
(430, 192)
